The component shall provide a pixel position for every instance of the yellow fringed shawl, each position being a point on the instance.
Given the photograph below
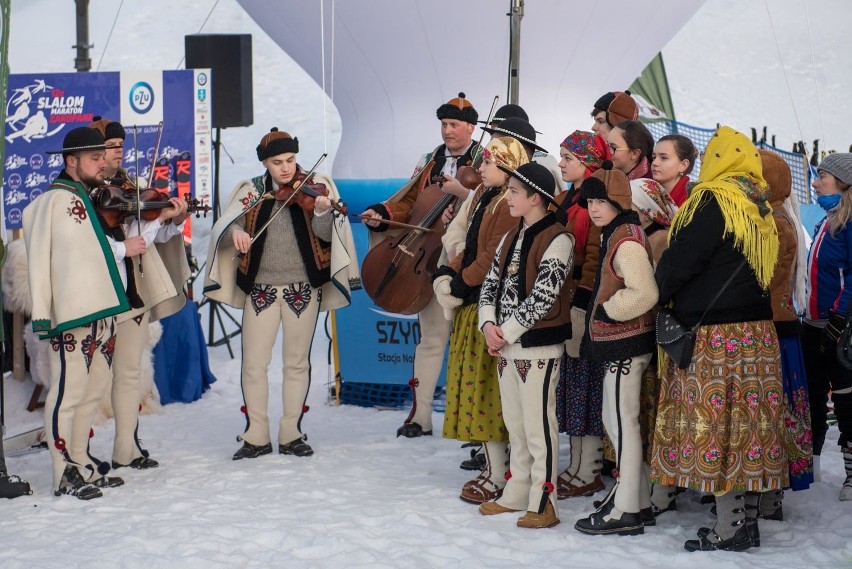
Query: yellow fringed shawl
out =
(732, 171)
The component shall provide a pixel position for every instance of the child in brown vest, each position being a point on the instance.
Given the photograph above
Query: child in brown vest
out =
(620, 332)
(524, 312)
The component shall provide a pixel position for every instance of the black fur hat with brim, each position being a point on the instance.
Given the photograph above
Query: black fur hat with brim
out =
(80, 139)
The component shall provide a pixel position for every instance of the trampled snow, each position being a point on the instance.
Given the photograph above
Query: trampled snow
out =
(365, 499)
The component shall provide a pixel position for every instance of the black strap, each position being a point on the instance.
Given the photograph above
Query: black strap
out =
(719, 295)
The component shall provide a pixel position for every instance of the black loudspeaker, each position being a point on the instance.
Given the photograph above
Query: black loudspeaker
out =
(229, 58)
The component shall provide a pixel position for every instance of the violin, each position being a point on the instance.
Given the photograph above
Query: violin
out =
(303, 192)
(117, 204)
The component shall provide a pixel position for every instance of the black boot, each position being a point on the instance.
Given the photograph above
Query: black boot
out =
(249, 450)
(72, 484)
(752, 501)
(476, 461)
(297, 447)
(412, 431)
(13, 486)
(603, 523)
(731, 522)
(771, 505)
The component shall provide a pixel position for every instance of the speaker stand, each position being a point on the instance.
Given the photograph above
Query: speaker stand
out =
(216, 308)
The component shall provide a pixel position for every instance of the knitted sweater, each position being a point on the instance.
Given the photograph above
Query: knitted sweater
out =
(518, 316)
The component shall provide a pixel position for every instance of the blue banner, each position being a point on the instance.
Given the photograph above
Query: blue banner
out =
(42, 108)
(373, 346)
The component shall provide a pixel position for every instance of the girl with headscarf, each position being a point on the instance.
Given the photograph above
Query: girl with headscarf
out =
(473, 411)
(579, 394)
(720, 421)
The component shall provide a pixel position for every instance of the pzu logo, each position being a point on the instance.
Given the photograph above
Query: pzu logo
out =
(141, 97)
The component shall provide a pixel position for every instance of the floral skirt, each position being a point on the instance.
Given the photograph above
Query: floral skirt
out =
(720, 423)
(797, 414)
(579, 397)
(649, 396)
(473, 411)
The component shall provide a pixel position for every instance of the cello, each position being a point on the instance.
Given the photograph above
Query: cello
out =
(397, 273)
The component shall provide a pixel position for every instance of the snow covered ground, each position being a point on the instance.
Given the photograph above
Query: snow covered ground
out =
(366, 498)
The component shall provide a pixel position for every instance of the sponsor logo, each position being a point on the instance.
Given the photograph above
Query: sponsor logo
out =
(54, 161)
(202, 95)
(36, 161)
(141, 97)
(14, 216)
(53, 175)
(35, 193)
(169, 152)
(15, 181)
(149, 154)
(34, 109)
(34, 179)
(13, 162)
(202, 79)
(15, 196)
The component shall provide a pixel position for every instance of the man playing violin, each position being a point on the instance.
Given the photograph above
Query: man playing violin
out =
(76, 293)
(458, 120)
(302, 263)
(156, 291)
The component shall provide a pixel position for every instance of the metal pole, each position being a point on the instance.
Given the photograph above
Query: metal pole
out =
(82, 62)
(516, 12)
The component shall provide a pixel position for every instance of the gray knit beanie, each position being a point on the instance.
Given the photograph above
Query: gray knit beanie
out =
(838, 165)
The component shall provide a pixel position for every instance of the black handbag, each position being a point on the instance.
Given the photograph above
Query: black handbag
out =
(675, 338)
(844, 344)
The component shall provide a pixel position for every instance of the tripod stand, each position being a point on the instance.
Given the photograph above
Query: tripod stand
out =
(216, 309)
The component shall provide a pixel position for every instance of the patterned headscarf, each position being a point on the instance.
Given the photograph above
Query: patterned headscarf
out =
(506, 152)
(589, 148)
(653, 201)
(732, 171)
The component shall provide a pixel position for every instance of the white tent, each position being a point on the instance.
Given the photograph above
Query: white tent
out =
(388, 64)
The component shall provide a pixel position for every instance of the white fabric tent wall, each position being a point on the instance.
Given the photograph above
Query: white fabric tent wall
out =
(394, 62)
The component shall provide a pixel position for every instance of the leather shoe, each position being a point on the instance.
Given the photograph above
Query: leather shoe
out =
(573, 487)
(598, 524)
(297, 447)
(740, 541)
(141, 463)
(108, 482)
(412, 431)
(249, 450)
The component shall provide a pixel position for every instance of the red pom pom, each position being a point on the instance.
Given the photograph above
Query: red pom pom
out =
(243, 410)
(508, 474)
(413, 382)
(306, 408)
(59, 443)
(91, 433)
(140, 407)
(547, 487)
(616, 473)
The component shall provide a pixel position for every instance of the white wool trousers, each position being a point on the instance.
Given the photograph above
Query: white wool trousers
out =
(528, 394)
(621, 389)
(80, 372)
(131, 340)
(428, 361)
(267, 309)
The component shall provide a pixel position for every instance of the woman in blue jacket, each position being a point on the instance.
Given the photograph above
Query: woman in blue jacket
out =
(829, 295)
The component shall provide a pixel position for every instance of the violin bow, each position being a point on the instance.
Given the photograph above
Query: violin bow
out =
(138, 192)
(394, 223)
(287, 201)
(478, 154)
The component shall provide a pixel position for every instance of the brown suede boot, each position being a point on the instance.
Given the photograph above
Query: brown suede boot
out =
(534, 520)
(493, 508)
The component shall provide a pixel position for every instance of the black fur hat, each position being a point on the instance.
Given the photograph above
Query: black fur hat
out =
(459, 109)
(109, 129)
(276, 142)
